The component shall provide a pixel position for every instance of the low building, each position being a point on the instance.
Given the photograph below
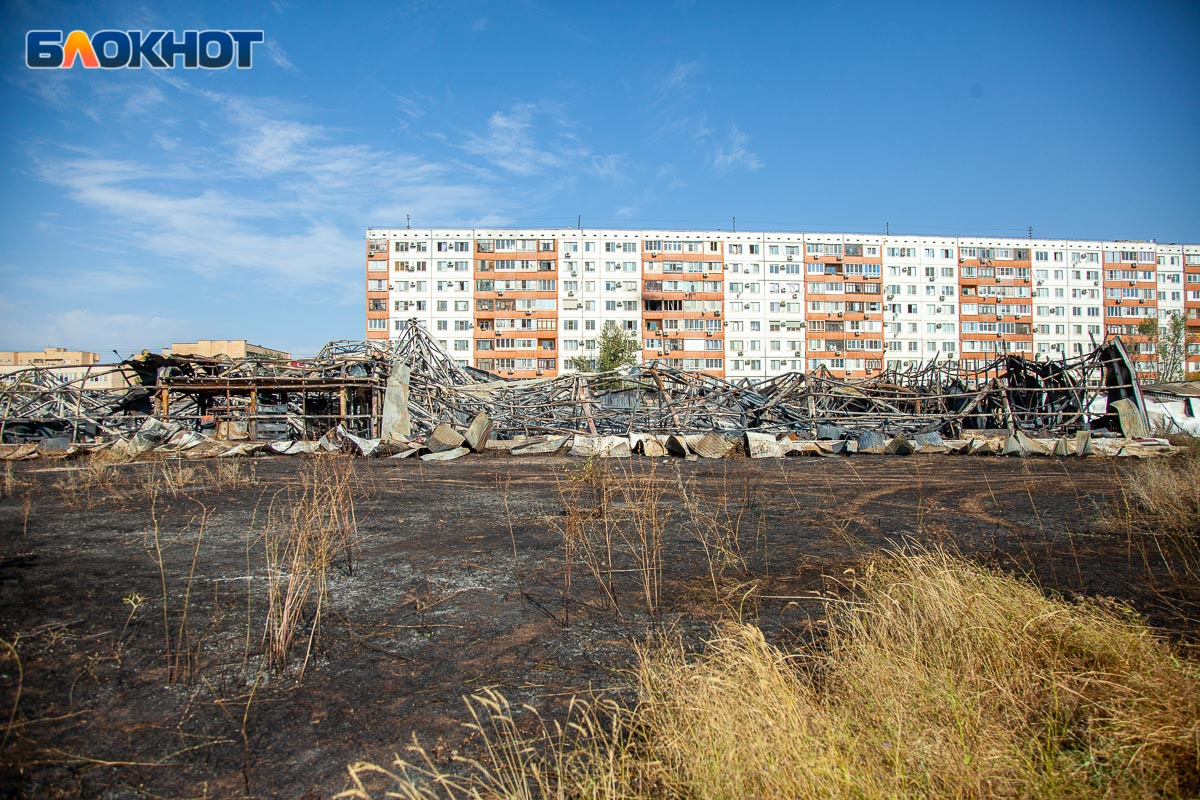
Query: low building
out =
(47, 357)
(231, 348)
(66, 366)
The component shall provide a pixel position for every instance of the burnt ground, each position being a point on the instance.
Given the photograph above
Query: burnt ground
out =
(458, 584)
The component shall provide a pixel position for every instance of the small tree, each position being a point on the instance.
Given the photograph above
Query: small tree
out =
(1171, 340)
(618, 348)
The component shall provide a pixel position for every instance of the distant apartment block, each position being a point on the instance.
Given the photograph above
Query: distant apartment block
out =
(524, 303)
(65, 365)
(232, 348)
(47, 357)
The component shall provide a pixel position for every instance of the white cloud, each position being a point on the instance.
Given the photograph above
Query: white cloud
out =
(141, 99)
(612, 165)
(735, 153)
(272, 199)
(513, 143)
(666, 179)
(680, 73)
(510, 145)
(88, 330)
(412, 107)
(279, 56)
(264, 209)
(479, 25)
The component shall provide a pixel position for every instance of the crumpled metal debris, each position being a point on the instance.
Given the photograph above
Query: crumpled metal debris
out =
(408, 397)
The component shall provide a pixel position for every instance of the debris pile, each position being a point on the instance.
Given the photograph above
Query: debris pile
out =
(406, 397)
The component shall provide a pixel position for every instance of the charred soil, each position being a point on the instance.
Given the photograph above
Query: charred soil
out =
(138, 607)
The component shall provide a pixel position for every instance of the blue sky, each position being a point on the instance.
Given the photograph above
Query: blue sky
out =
(146, 206)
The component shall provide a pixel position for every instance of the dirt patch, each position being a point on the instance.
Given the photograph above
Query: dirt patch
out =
(458, 583)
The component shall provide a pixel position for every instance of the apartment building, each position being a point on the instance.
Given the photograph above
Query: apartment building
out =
(526, 302)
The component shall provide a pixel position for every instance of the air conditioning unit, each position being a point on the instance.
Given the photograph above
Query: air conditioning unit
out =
(789, 258)
(741, 352)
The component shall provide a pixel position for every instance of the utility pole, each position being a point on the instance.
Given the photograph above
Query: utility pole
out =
(887, 228)
(579, 222)
(1029, 230)
(735, 224)
(407, 222)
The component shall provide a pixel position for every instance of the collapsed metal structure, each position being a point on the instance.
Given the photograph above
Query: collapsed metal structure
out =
(401, 389)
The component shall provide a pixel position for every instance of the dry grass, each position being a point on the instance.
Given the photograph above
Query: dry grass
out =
(97, 480)
(10, 484)
(613, 522)
(720, 512)
(590, 755)
(938, 679)
(108, 475)
(1158, 508)
(310, 529)
(1168, 489)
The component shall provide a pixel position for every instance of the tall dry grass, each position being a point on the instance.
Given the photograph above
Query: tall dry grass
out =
(937, 679)
(523, 756)
(310, 530)
(1159, 508)
(720, 512)
(613, 522)
(1168, 490)
(10, 484)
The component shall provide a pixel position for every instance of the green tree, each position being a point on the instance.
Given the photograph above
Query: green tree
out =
(618, 348)
(1171, 340)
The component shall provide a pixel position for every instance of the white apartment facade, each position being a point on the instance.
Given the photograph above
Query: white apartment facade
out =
(524, 302)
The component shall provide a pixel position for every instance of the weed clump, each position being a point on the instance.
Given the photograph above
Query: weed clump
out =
(937, 678)
(1168, 491)
(311, 529)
